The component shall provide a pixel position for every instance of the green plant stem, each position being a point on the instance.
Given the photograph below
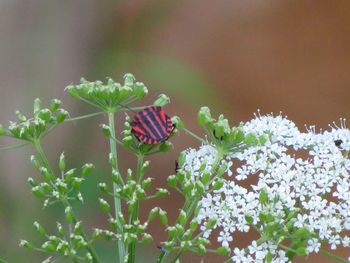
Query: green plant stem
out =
(65, 202)
(135, 214)
(192, 203)
(117, 202)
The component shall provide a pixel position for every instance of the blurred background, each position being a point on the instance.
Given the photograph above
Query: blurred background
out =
(233, 56)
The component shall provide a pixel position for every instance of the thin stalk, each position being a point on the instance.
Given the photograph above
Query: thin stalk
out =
(335, 257)
(117, 202)
(135, 213)
(12, 147)
(194, 135)
(65, 202)
(84, 116)
(177, 256)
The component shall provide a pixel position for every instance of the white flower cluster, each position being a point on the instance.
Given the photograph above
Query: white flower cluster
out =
(306, 172)
(198, 161)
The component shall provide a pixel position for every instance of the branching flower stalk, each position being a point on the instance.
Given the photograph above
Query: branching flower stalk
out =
(64, 201)
(117, 202)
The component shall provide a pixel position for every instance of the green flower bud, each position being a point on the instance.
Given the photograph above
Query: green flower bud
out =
(69, 214)
(166, 146)
(182, 218)
(140, 90)
(39, 228)
(153, 213)
(251, 139)
(124, 93)
(73, 91)
(201, 249)
(46, 174)
(45, 115)
(177, 122)
(103, 187)
(161, 192)
(26, 244)
(218, 184)
(86, 169)
(146, 183)
(20, 116)
(146, 238)
(106, 130)
(48, 246)
(172, 181)
(104, 205)
(129, 80)
(62, 163)
(38, 191)
(60, 229)
(204, 116)
(162, 100)
(37, 106)
(61, 116)
(55, 104)
(32, 182)
(163, 217)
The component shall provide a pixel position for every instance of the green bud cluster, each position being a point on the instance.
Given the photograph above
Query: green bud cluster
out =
(225, 137)
(110, 96)
(53, 188)
(70, 245)
(281, 228)
(33, 128)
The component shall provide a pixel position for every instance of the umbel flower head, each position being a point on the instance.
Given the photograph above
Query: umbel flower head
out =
(301, 194)
(111, 96)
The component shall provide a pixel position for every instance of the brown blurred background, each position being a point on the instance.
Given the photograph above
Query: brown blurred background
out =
(233, 56)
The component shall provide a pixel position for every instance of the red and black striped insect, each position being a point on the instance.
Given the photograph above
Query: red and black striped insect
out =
(151, 125)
